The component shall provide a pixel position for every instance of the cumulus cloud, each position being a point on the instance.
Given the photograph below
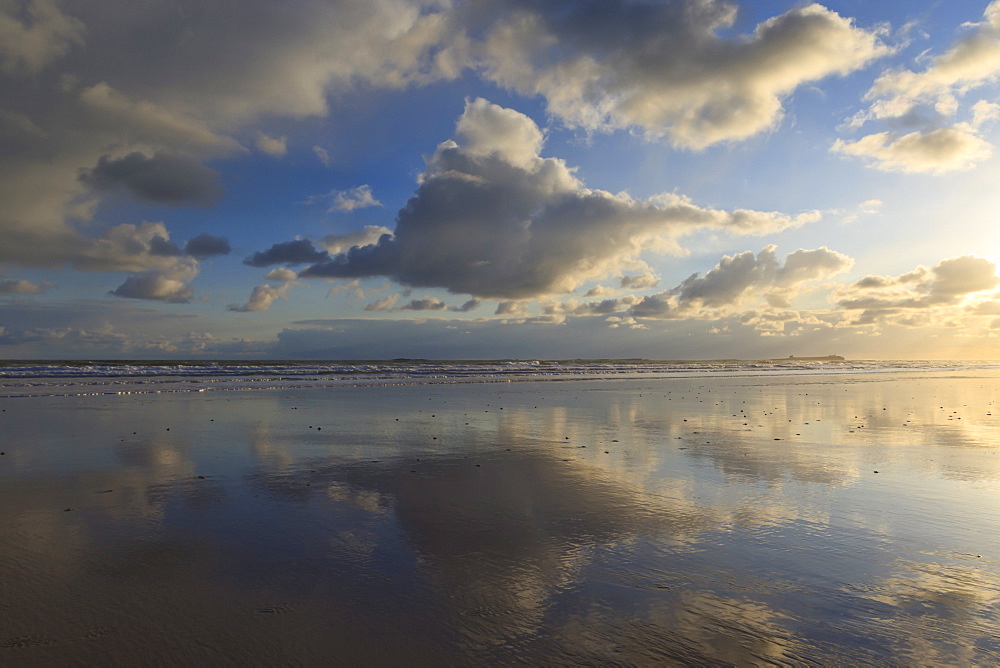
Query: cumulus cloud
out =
(161, 285)
(665, 67)
(775, 322)
(425, 304)
(273, 146)
(934, 151)
(346, 200)
(299, 251)
(930, 99)
(130, 247)
(599, 291)
(639, 282)
(262, 298)
(738, 280)
(923, 295)
(340, 243)
(281, 275)
(972, 61)
(162, 178)
(10, 286)
(492, 218)
(385, 304)
(466, 306)
(206, 245)
(516, 308)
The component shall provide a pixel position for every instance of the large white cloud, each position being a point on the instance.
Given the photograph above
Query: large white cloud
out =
(493, 218)
(665, 68)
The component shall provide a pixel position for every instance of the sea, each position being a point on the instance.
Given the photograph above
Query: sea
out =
(31, 378)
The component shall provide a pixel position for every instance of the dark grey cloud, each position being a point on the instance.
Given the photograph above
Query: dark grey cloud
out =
(667, 67)
(10, 286)
(492, 218)
(425, 304)
(466, 306)
(653, 306)
(161, 246)
(206, 245)
(741, 277)
(299, 251)
(163, 178)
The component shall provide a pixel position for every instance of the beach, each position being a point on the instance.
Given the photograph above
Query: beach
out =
(794, 518)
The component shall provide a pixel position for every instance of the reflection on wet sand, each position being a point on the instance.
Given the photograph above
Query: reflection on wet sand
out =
(628, 522)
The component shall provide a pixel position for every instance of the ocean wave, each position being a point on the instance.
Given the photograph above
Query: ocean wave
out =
(99, 377)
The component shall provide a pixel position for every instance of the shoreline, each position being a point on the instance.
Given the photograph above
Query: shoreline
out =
(15, 387)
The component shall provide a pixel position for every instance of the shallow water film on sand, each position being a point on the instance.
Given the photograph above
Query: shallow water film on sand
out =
(798, 519)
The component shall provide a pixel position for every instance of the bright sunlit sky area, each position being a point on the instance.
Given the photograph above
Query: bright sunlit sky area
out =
(372, 179)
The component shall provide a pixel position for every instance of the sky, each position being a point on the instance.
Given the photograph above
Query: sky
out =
(479, 179)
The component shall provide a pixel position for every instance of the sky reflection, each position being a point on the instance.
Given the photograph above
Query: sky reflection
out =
(740, 520)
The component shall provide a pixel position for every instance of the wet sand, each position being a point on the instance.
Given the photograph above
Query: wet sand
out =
(796, 519)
